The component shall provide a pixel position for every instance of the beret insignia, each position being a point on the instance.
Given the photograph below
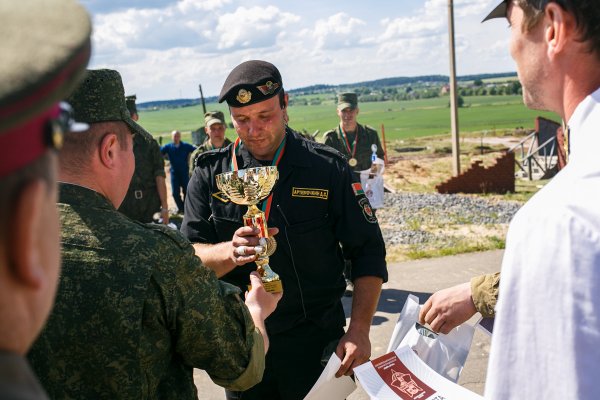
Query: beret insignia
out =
(268, 88)
(244, 96)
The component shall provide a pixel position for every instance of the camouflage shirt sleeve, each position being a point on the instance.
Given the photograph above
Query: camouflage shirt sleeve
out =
(210, 326)
(484, 291)
(158, 161)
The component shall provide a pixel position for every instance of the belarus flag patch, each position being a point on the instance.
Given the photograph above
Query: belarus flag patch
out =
(358, 190)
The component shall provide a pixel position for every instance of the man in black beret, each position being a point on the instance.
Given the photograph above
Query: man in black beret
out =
(315, 206)
(36, 75)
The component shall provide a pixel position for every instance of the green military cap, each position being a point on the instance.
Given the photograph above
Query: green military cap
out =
(500, 10)
(130, 102)
(45, 48)
(214, 117)
(347, 100)
(101, 98)
(251, 82)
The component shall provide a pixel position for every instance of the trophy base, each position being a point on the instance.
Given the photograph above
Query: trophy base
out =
(271, 286)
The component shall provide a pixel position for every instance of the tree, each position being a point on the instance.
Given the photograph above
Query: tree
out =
(478, 82)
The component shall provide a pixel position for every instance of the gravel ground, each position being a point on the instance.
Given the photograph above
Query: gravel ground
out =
(405, 214)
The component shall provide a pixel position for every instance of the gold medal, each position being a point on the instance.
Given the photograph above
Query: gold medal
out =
(352, 162)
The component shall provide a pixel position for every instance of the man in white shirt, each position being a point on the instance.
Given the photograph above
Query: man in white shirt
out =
(546, 341)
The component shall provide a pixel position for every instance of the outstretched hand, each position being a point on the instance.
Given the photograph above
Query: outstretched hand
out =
(448, 308)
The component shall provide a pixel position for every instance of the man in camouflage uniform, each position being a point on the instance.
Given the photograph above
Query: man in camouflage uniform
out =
(147, 192)
(352, 139)
(36, 75)
(215, 129)
(135, 311)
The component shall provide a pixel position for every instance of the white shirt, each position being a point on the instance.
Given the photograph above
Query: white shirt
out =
(546, 341)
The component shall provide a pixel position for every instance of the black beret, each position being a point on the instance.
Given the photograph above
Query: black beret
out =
(251, 82)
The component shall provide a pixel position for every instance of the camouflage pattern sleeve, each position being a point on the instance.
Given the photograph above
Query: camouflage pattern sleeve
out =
(484, 291)
(211, 326)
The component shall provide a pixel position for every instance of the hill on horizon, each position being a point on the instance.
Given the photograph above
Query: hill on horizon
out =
(321, 88)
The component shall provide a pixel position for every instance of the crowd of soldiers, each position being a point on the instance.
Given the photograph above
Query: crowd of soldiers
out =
(96, 303)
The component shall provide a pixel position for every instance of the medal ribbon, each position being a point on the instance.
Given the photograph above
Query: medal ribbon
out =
(352, 151)
(266, 206)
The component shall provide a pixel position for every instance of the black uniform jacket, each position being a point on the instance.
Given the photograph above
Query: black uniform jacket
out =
(316, 206)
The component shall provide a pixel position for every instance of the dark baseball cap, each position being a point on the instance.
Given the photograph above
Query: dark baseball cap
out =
(500, 10)
(101, 98)
(45, 48)
(251, 82)
(347, 100)
(214, 117)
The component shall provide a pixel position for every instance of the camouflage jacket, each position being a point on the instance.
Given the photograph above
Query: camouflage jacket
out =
(206, 146)
(366, 137)
(136, 311)
(142, 199)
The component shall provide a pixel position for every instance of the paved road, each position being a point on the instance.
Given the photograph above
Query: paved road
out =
(420, 278)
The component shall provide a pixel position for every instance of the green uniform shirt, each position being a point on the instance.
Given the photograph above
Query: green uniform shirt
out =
(136, 311)
(366, 137)
(142, 200)
(206, 146)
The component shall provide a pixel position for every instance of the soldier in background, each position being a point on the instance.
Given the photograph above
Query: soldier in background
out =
(352, 139)
(36, 75)
(136, 310)
(147, 194)
(215, 129)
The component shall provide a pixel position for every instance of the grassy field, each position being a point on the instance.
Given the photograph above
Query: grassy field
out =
(401, 119)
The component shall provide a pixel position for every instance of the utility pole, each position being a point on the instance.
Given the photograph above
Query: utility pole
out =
(202, 98)
(453, 97)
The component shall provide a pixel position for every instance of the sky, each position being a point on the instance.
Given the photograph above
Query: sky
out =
(165, 48)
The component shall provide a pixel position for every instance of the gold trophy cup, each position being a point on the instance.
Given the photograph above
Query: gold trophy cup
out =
(247, 187)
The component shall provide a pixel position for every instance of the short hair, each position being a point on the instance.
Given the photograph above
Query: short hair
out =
(78, 147)
(11, 185)
(586, 13)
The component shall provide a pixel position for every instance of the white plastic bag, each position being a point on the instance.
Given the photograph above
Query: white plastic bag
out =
(445, 354)
(372, 183)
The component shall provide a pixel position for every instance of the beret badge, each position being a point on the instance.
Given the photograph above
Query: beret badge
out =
(243, 96)
(268, 88)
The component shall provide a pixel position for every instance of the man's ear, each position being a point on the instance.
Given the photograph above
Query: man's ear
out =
(24, 254)
(108, 149)
(286, 99)
(560, 25)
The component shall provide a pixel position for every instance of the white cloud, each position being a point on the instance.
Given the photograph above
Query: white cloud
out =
(338, 31)
(252, 27)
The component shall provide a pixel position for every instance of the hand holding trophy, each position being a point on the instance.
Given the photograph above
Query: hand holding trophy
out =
(248, 187)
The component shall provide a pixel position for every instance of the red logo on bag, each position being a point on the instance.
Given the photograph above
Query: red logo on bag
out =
(400, 379)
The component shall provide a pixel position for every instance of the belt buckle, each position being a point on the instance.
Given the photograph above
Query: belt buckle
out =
(138, 194)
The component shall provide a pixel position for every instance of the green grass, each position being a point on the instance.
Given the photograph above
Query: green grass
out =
(401, 119)
(415, 252)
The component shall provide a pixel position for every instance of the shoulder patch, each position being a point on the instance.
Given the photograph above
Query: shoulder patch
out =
(173, 234)
(357, 189)
(367, 211)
